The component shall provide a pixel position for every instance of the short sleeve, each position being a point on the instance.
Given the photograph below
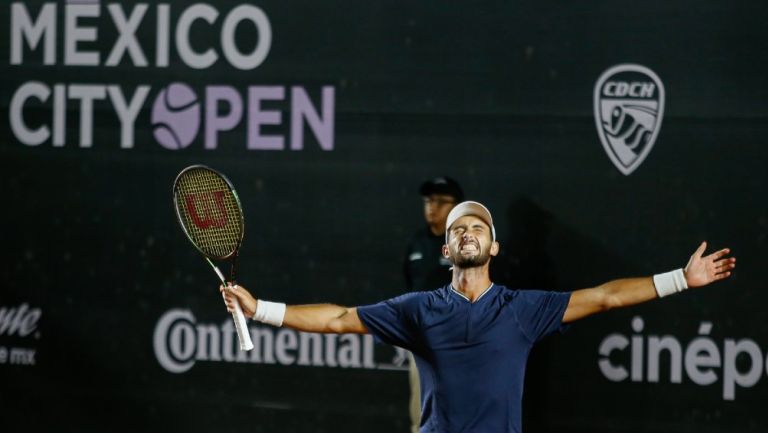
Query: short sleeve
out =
(540, 313)
(392, 321)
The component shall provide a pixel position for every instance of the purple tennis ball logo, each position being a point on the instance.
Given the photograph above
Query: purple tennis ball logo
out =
(176, 116)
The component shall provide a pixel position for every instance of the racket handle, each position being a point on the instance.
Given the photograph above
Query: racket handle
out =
(237, 316)
(242, 328)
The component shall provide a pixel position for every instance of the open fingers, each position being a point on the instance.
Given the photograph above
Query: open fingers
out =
(722, 275)
(725, 264)
(700, 250)
(719, 254)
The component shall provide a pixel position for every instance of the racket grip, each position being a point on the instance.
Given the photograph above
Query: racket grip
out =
(242, 327)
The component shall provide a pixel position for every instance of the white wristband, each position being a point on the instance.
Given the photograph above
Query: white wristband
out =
(271, 313)
(670, 283)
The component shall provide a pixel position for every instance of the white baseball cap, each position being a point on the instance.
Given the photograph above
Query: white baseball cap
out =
(469, 208)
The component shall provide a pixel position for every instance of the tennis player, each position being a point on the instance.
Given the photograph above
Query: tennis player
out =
(471, 338)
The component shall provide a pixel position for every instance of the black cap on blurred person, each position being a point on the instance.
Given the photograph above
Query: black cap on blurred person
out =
(442, 185)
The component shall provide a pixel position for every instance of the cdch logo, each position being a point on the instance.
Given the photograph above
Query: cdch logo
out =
(629, 107)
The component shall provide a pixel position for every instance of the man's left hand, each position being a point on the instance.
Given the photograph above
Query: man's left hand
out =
(701, 271)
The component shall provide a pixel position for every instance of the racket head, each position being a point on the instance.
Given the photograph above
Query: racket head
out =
(209, 211)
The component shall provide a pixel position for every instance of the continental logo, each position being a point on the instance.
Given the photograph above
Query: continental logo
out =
(180, 341)
(629, 107)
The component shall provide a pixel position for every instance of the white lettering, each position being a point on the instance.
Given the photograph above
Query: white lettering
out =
(22, 26)
(75, 33)
(349, 352)
(229, 45)
(179, 342)
(258, 117)
(634, 89)
(645, 90)
(208, 343)
(310, 343)
(59, 115)
(610, 371)
(30, 137)
(263, 342)
(21, 321)
(637, 350)
(22, 356)
(181, 339)
(731, 375)
(655, 346)
(163, 35)
(368, 351)
(228, 335)
(741, 361)
(330, 350)
(188, 55)
(214, 121)
(322, 126)
(80, 32)
(127, 40)
(86, 93)
(166, 351)
(702, 352)
(127, 112)
(286, 343)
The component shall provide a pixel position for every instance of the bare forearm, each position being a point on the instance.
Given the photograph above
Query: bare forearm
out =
(628, 291)
(613, 294)
(324, 318)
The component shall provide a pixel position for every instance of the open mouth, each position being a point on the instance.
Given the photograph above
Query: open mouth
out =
(469, 247)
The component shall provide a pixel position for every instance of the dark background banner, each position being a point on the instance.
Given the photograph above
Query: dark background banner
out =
(110, 321)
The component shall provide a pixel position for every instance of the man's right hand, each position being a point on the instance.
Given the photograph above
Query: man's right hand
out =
(246, 300)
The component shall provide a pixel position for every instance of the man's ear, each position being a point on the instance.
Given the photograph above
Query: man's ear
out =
(446, 252)
(495, 248)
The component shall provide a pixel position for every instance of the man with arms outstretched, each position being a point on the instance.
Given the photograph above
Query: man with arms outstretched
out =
(471, 338)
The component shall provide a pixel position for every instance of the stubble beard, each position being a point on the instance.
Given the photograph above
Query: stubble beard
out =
(475, 261)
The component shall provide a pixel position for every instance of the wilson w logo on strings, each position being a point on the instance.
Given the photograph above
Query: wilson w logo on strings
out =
(207, 209)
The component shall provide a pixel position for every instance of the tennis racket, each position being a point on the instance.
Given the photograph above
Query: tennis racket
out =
(210, 215)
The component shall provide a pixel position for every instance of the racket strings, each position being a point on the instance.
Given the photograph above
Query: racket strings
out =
(211, 213)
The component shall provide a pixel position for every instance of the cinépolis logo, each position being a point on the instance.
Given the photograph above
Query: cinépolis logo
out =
(131, 45)
(703, 360)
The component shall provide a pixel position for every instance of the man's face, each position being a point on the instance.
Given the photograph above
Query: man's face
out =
(470, 242)
(436, 210)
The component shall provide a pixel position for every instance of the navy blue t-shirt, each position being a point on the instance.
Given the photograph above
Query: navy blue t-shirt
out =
(471, 356)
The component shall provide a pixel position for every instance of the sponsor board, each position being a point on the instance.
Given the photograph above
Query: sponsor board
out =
(702, 361)
(179, 342)
(141, 39)
(19, 325)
